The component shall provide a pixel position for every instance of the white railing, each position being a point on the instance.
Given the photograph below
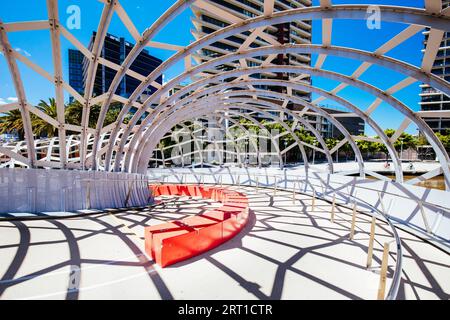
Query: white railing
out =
(425, 212)
(35, 191)
(301, 185)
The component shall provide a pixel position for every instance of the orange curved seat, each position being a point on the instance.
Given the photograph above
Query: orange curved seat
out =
(179, 240)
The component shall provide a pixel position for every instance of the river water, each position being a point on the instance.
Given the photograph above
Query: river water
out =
(433, 183)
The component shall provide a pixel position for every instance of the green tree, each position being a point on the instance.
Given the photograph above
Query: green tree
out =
(408, 141)
(11, 122)
(347, 148)
(405, 141)
(74, 112)
(445, 139)
(331, 143)
(41, 127)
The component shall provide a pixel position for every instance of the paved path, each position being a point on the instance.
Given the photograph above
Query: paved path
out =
(285, 252)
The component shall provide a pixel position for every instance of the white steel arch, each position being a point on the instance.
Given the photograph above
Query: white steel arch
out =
(103, 139)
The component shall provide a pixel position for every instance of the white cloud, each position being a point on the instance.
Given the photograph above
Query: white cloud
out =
(25, 52)
(8, 100)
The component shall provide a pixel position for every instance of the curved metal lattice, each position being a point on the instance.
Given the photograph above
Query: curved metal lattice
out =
(128, 146)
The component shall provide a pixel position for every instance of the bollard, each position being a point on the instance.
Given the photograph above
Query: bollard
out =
(333, 207)
(257, 183)
(221, 182)
(352, 230)
(239, 180)
(371, 240)
(383, 272)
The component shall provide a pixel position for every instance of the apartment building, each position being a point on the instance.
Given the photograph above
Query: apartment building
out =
(432, 99)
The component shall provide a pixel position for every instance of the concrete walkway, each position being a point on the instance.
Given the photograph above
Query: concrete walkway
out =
(287, 251)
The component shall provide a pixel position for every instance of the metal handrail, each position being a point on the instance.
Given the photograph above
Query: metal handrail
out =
(419, 201)
(395, 285)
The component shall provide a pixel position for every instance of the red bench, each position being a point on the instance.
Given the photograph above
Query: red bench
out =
(178, 240)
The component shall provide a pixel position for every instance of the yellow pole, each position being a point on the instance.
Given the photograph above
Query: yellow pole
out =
(383, 272)
(333, 207)
(371, 240)
(352, 231)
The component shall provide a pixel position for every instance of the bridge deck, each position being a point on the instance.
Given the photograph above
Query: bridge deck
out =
(286, 251)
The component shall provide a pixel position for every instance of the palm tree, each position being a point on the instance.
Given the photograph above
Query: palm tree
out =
(74, 113)
(11, 122)
(41, 127)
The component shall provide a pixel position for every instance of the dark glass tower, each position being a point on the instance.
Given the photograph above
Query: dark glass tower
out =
(115, 49)
(76, 71)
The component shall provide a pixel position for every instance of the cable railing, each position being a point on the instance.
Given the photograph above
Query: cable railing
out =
(422, 204)
(255, 180)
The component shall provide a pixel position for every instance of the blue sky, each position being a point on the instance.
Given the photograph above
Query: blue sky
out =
(36, 45)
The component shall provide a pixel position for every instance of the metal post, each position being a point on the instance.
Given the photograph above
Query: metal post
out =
(424, 217)
(221, 182)
(352, 230)
(293, 192)
(257, 183)
(275, 186)
(381, 203)
(313, 204)
(63, 199)
(88, 195)
(130, 188)
(333, 207)
(401, 151)
(383, 272)
(32, 199)
(239, 180)
(371, 240)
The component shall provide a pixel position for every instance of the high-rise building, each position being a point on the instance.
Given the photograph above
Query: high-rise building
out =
(76, 71)
(432, 99)
(216, 14)
(115, 49)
